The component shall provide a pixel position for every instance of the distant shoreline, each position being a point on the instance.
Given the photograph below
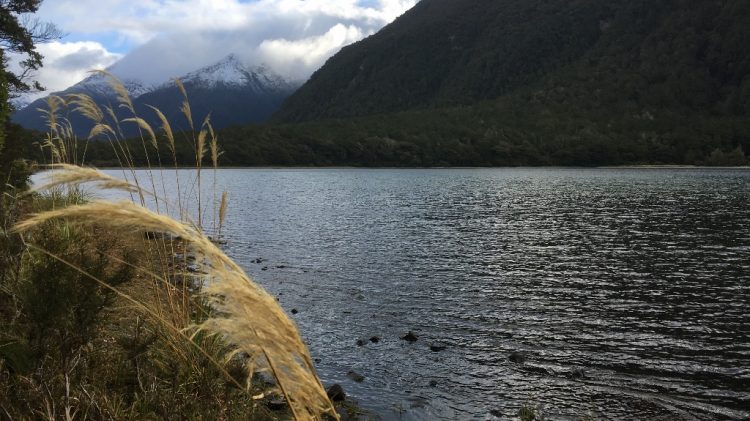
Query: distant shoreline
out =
(343, 167)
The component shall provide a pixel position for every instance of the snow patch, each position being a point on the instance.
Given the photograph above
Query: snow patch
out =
(230, 71)
(100, 84)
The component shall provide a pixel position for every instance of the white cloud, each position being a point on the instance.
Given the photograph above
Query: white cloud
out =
(66, 63)
(296, 58)
(173, 37)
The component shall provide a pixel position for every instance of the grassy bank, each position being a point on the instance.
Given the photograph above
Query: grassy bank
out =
(112, 310)
(78, 340)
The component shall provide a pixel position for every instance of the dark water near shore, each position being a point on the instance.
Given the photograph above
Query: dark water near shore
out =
(638, 277)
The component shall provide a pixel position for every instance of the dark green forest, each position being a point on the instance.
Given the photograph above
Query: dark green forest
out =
(684, 56)
(496, 133)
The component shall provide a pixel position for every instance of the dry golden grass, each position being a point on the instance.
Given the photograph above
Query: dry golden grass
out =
(246, 316)
(238, 312)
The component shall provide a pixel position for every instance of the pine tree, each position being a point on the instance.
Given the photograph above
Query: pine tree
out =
(19, 35)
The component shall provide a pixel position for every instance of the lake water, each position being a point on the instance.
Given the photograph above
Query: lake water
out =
(627, 290)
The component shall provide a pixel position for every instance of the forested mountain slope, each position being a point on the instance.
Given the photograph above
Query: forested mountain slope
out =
(638, 56)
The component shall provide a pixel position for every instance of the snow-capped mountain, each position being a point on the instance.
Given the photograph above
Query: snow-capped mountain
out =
(230, 71)
(230, 91)
(98, 84)
(20, 103)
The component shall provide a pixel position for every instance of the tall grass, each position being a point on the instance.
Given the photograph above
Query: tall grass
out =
(203, 308)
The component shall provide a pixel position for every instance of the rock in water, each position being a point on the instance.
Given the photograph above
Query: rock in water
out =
(537, 369)
(336, 393)
(360, 342)
(353, 375)
(375, 339)
(577, 373)
(410, 337)
(437, 347)
(517, 357)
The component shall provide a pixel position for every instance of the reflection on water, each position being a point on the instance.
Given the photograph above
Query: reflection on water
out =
(626, 291)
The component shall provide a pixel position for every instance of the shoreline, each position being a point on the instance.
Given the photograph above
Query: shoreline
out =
(344, 167)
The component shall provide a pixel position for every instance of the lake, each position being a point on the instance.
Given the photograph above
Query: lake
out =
(620, 293)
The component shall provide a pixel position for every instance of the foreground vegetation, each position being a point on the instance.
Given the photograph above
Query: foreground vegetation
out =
(77, 339)
(114, 310)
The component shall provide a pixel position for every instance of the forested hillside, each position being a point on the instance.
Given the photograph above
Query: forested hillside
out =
(636, 56)
(527, 82)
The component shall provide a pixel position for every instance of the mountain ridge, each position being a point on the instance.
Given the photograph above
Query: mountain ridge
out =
(231, 91)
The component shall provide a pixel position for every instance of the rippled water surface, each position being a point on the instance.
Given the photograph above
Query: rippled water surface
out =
(626, 290)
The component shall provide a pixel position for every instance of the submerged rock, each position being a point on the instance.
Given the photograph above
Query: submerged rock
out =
(375, 339)
(217, 241)
(336, 393)
(517, 357)
(360, 342)
(537, 369)
(577, 373)
(437, 347)
(410, 337)
(433, 383)
(353, 375)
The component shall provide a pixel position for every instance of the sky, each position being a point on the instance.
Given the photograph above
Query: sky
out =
(155, 40)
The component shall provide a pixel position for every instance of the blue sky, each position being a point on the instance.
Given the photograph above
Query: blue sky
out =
(154, 40)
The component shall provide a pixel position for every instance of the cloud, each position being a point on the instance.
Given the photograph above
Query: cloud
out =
(296, 58)
(168, 38)
(66, 63)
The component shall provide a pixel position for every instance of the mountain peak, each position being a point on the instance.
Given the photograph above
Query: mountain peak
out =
(98, 83)
(231, 71)
(231, 58)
